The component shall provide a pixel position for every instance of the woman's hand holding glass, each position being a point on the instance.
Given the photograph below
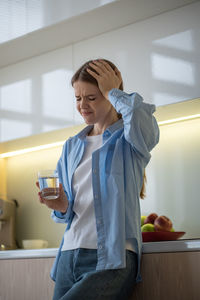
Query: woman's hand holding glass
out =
(58, 204)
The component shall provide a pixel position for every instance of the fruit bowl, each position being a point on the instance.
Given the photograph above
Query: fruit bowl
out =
(161, 236)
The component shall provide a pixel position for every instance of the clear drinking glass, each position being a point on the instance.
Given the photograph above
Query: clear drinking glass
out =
(49, 184)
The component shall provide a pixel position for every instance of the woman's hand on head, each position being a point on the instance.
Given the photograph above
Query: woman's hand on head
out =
(107, 78)
(59, 204)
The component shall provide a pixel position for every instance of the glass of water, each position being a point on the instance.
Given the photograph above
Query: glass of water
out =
(49, 184)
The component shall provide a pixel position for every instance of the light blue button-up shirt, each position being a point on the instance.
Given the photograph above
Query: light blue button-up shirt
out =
(117, 178)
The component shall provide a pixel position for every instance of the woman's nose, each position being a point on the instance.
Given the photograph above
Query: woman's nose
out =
(83, 103)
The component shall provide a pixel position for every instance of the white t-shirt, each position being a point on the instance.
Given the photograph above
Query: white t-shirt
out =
(83, 233)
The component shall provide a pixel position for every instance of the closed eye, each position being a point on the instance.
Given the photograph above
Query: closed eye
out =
(90, 98)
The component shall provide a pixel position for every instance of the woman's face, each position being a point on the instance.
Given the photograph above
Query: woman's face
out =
(90, 103)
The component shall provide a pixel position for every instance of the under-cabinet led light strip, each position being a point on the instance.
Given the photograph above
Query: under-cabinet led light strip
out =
(179, 119)
(57, 144)
(32, 149)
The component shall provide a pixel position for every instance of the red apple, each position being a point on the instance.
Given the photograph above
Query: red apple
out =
(163, 223)
(150, 218)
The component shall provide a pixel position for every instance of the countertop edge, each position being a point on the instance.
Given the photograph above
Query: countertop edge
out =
(29, 253)
(172, 246)
(150, 247)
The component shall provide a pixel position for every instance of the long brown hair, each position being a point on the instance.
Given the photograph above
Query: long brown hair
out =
(82, 75)
(143, 189)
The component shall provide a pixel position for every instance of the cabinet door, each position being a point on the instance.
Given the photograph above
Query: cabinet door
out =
(169, 276)
(26, 279)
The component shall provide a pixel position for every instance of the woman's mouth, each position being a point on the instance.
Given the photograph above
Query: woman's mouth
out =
(85, 114)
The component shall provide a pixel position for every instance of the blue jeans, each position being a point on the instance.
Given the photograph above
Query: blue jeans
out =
(77, 277)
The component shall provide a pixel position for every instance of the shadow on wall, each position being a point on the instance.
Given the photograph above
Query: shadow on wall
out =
(40, 102)
(170, 62)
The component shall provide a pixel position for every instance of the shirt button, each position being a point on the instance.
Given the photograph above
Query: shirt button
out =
(100, 247)
(94, 171)
(95, 196)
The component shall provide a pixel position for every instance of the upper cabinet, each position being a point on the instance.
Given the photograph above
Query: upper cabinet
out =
(47, 26)
(155, 44)
(158, 57)
(36, 95)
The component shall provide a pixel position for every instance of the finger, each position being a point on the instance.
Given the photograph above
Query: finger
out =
(37, 184)
(104, 66)
(40, 198)
(100, 65)
(61, 189)
(107, 66)
(95, 75)
(98, 68)
(62, 192)
(118, 73)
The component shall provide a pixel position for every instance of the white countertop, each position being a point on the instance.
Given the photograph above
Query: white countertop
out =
(151, 247)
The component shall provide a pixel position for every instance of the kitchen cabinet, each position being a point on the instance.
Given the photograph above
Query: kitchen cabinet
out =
(81, 26)
(156, 61)
(26, 279)
(166, 275)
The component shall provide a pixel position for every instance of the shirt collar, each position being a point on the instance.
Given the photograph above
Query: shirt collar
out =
(117, 125)
(82, 134)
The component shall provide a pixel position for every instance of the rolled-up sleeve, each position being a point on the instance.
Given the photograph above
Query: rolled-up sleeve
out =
(140, 126)
(59, 217)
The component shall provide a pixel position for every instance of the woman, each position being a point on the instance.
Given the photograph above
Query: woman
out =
(101, 171)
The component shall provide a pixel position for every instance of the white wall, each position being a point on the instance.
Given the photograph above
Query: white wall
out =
(33, 218)
(159, 58)
(173, 177)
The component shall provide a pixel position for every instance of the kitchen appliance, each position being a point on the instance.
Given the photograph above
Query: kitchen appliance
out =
(7, 224)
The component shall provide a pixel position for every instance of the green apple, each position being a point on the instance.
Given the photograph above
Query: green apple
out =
(142, 220)
(172, 230)
(148, 228)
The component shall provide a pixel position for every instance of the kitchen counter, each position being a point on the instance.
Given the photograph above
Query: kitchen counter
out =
(151, 247)
(175, 264)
